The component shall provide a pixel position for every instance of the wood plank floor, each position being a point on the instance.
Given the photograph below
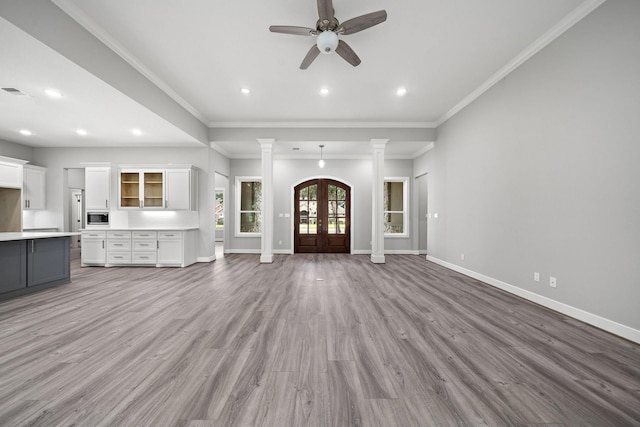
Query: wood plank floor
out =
(310, 340)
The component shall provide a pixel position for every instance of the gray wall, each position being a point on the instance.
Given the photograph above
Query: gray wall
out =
(541, 173)
(288, 173)
(16, 151)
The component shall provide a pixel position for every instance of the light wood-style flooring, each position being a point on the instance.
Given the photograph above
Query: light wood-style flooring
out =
(310, 340)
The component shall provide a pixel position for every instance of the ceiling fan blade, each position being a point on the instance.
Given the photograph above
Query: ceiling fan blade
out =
(362, 22)
(288, 29)
(347, 53)
(325, 10)
(311, 55)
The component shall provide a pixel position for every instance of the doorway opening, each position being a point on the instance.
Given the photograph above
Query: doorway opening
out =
(322, 217)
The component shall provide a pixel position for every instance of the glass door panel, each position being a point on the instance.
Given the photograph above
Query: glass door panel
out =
(153, 190)
(129, 189)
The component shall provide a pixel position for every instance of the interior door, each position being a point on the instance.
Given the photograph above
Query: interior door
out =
(322, 217)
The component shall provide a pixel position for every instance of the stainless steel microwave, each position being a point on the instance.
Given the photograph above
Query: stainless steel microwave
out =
(97, 218)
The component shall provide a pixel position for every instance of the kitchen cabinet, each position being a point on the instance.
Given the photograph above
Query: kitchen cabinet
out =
(93, 250)
(176, 248)
(97, 188)
(30, 264)
(13, 264)
(181, 189)
(33, 190)
(118, 247)
(144, 249)
(47, 261)
(142, 189)
(170, 188)
(11, 172)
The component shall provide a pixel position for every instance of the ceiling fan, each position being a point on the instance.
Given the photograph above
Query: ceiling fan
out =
(328, 28)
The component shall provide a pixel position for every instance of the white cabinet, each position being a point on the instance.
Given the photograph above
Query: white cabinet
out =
(118, 247)
(93, 251)
(97, 188)
(181, 189)
(145, 248)
(176, 248)
(33, 190)
(11, 173)
(170, 188)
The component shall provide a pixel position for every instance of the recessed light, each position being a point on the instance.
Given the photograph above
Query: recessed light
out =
(26, 132)
(136, 132)
(324, 91)
(53, 93)
(402, 91)
(245, 91)
(81, 132)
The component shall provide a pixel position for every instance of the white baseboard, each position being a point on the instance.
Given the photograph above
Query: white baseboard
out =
(282, 252)
(206, 258)
(584, 316)
(242, 251)
(361, 252)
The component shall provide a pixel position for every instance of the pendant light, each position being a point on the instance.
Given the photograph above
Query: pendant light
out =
(321, 161)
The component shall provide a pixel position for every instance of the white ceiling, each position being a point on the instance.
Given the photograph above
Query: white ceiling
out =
(201, 53)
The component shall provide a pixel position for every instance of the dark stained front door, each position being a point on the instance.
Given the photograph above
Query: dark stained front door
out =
(322, 220)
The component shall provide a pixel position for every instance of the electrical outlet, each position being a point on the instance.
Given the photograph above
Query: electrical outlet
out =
(552, 282)
(462, 257)
(536, 276)
(279, 242)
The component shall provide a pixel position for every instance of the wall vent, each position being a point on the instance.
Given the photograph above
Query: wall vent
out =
(14, 91)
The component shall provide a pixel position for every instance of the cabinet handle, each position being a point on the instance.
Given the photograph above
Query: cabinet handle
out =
(106, 204)
(33, 246)
(103, 244)
(117, 244)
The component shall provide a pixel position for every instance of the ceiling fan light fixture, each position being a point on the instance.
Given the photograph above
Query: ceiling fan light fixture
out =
(327, 41)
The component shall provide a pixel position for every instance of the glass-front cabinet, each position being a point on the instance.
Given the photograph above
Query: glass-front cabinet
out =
(142, 189)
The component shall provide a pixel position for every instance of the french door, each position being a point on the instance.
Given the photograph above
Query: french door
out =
(322, 217)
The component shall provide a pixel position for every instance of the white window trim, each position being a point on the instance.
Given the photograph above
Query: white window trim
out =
(238, 189)
(405, 208)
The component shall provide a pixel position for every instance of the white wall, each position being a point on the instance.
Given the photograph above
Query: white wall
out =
(541, 174)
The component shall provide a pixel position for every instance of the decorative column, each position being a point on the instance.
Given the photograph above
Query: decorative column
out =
(377, 216)
(267, 200)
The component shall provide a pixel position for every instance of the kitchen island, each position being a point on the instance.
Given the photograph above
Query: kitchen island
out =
(32, 261)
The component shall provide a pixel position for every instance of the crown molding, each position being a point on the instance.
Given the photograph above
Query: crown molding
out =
(324, 125)
(91, 26)
(423, 150)
(556, 31)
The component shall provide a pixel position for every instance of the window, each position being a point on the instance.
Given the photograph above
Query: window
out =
(395, 207)
(248, 206)
(219, 209)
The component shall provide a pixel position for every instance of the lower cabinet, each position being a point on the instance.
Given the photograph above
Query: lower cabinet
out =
(166, 248)
(29, 265)
(13, 265)
(48, 261)
(93, 250)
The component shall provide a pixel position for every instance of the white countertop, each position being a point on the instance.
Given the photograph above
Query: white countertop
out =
(5, 237)
(139, 229)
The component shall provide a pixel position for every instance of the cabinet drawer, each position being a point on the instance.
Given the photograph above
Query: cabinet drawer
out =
(93, 234)
(118, 245)
(119, 258)
(145, 235)
(144, 258)
(144, 245)
(169, 234)
(119, 234)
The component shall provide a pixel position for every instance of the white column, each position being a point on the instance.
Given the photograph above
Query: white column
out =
(267, 200)
(377, 216)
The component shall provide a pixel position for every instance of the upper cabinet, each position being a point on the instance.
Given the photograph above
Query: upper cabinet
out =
(173, 189)
(181, 190)
(11, 172)
(97, 188)
(142, 189)
(33, 190)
